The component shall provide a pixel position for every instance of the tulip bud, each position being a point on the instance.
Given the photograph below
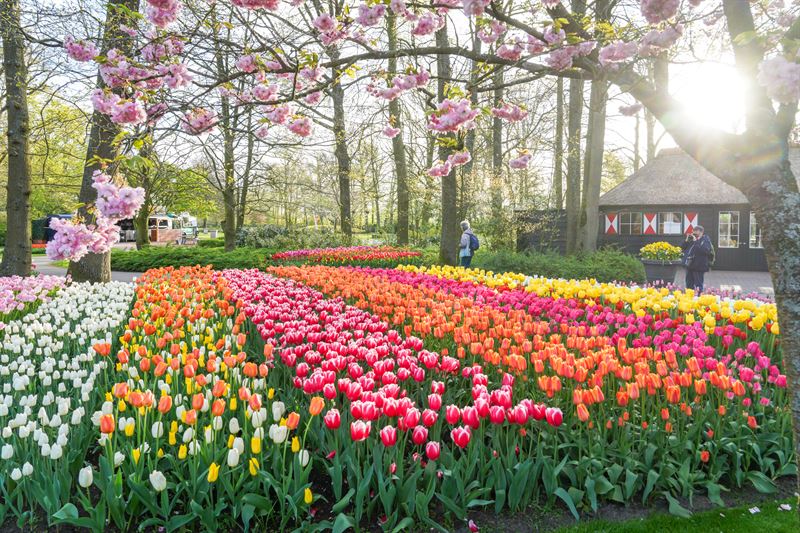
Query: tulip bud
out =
(158, 480)
(85, 477)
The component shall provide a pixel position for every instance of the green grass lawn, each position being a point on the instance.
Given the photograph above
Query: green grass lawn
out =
(770, 519)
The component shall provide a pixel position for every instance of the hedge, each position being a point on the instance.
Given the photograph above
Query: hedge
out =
(603, 265)
(160, 256)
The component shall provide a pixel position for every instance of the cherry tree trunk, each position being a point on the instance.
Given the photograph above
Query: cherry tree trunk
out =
(398, 145)
(341, 153)
(102, 149)
(17, 253)
(573, 195)
(558, 150)
(449, 235)
(594, 164)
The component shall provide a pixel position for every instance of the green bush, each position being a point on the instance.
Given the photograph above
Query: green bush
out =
(161, 256)
(279, 238)
(212, 243)
(2, 234)
(603, 265)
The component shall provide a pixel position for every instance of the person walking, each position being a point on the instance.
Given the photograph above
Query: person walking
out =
(698, 253)
(468, 245)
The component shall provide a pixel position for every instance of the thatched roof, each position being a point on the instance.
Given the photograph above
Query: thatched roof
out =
(674, 178)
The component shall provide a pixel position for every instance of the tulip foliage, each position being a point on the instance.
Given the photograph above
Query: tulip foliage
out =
(245, 398)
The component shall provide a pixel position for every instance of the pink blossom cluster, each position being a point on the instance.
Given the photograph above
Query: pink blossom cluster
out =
(199, 120)
(265, 93)
(18, 293)
(440, 169)
(279, 114)
(314, 98)
(248, 63)
(561, 58)
(511, 51)
(370, 15)
(270, 5)
(175, 75)
(475, 8)
(113, 202)
(427, 24)
(617, 52)
(521, 161)
(491, 32)
(655, 11)
(73, 240)
(656, 41)
(781, 79)
(391, 132)
(400, 84)
(509, 112)
(161, 49)
(80, 50)
(459, 158)
(452, 115)
(128, 112)
(300, 126)
(325, 23)
(162, 13)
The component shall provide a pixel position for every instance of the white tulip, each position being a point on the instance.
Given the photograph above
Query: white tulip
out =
(27, 469)
(16, 474)
(278, 408)
(85, 477)
(119, 458)
(238, 444)
(217, 423)
(56, 452)
(7, 452)
(278, 433)
(303, 456)
(233, 426)
(188, 435)
(233, 457)
(158, 480)
(157, 430)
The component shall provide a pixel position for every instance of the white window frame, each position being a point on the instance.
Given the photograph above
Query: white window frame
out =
(630, 224)
(675, 230)
(754, 225)
(730, 237)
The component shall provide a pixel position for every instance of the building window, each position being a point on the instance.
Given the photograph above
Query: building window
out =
(670, 223)
(755, 232)
(630, 223)
(728, 229)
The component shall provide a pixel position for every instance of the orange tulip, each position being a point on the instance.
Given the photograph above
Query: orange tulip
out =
(583, 412)
(218, 407)
(292, 420)
(107, 424)
(165, 404)
(317, 403)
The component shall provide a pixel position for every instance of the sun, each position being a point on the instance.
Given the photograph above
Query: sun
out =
(712, 93)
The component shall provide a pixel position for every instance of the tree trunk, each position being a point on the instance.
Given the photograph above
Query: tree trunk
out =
(499, 232)
(17, 253)
(398, 145)
(594, 160)
(140, 223)
(102, 149)
(573, 196)
(426, 212)
(449, 235)
(466, 200)
(241, 204)
(340, 151)
(558, 156)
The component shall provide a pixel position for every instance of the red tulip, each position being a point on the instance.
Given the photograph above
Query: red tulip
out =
(497, 414)
(432, 450)
(429, 417)
(419, 435)
(333, 419)
(437, 387)
(329, 391)
(452, 414)
(470, 416)
(434, 401)
(388, 436)
(539, 412)
(461, 436)
(412, 417)
(359, 430)
(554, 416)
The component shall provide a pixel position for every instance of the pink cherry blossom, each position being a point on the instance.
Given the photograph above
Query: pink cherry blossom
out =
(459, 158)
(509, 112)
(80, 50)
(313, 98)
(440, 169)
(175, 75)
(199, 120)
(248, 63)
(265, 93)
(158, 50)
(534, 46)
(561, 58)
(104, 101)
(452, 115)
(270, 5)
(655, 41)
(370, 16)
(427, 24)
(300, 126)
(550, 3)
(475, 8)
(163, 16)
(552, 37)
(510, 51)
(113, 202)
(655, 11)
(520, 162)
(617, 52)
(128, 112)
(325, 23)
(398, 7)
(312, 74)
(491, 32)
(279, 114)
(391, 132)
(781, 79)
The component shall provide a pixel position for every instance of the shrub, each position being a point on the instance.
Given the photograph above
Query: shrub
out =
(279, 238)
(161, 256)
(603, 265)
(211, 243)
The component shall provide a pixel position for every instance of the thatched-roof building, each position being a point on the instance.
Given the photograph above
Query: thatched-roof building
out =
(667, 197)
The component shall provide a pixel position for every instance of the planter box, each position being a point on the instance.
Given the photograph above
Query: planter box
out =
(661, 271)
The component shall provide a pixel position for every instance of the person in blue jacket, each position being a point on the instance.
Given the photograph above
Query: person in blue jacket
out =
(467, 246)
(697, 257)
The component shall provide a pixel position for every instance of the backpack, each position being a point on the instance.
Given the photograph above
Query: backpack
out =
(474, 243)
(712, 255)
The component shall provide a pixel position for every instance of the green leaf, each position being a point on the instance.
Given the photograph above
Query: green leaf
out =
(452, 506)
(342, 523)
(591, 493)
(762, 483)
(247, 514)
(67, 513)
(675, 508)
(341, 504)
(652, 478)
(567, 499)
(404, 525)
(714, 493)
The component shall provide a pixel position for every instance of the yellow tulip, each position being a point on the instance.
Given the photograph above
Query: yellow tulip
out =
(213, 472)
(172, 438)
(253, 466)
(121, 406)
(255, 445)
(129, 429)
(307, 496)
(295, 444)
(182, 452)
(136, 453)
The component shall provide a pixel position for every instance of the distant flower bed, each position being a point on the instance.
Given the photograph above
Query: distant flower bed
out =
(350, 255)
(19, 296)
(660, 251)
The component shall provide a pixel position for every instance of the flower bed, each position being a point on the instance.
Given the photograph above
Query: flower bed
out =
(377, 256)
(19, 296)
(49, 369)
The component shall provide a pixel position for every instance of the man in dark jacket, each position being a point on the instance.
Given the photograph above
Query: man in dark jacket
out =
(697, 252)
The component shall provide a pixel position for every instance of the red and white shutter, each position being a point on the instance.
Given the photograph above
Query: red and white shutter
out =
(689, 221)
(612, 221)
(649, 223)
